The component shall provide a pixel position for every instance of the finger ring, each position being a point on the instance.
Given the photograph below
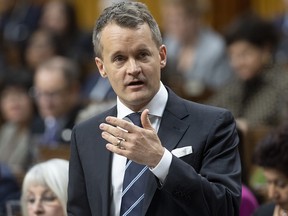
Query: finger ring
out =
(119, 143)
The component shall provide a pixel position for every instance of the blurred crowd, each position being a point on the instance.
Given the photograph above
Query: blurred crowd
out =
(49, 83)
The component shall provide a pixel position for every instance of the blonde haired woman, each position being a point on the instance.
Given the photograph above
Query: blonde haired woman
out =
(44, 189)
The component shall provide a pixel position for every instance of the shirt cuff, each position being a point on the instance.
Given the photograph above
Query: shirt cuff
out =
(162, 168)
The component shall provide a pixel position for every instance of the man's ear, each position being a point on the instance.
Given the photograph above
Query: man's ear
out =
(163, 56)
(101, 67)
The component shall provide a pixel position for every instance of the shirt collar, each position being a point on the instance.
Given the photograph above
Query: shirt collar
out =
(156, 106)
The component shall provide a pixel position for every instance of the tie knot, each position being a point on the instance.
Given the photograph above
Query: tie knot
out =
(135, 118)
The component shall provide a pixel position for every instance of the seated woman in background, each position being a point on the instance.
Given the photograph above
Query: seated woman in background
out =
(197, 63)
(258, 94)
(17, 110)
(272, 155)
(44, 189)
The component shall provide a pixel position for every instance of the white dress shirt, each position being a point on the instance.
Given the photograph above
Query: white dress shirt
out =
(156, 108)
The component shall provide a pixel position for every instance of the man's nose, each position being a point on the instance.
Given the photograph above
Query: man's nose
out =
(272, 191)
(133, 67)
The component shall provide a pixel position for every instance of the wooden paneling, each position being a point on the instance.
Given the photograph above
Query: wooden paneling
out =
(87, 13)
(221, 14)
(268, 8)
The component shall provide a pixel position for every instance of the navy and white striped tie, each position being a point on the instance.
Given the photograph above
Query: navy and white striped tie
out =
(134, 183)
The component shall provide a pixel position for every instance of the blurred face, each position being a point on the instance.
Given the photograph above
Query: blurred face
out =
(54, 17)
(178, 24)
(16, 105)
(42, 201)
(53, 95)
(246, 59)
(277, 187)
(39, 49)
(132, 62)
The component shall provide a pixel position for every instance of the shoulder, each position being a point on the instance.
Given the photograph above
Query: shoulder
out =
(248, 199)
(198, 112)
(95, 121)
(212, 40)
(276, 76)
(266, 209)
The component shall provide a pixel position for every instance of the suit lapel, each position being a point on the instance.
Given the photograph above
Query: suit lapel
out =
(172, 126)
(171, 130)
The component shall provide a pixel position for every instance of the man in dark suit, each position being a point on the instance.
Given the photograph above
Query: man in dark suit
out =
(187, 152)
(56, 90)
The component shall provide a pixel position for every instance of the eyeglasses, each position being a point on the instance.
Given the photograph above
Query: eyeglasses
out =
(52, 95)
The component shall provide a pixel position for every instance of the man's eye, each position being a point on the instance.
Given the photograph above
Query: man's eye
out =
(30, 200)
(119, 59)
(143, 55)
(281, 184)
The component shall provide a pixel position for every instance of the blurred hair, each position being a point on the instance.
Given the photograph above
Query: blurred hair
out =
(65, 65)
(16, 79)
(191, 7)
(69, 12)
(272, 151)
(53, 174)
(252, 29)
(127, 15)
(51, 38)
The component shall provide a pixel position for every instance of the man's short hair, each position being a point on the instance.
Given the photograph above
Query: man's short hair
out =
(128, 15)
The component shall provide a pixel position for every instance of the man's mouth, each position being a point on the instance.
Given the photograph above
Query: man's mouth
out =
(136, 83)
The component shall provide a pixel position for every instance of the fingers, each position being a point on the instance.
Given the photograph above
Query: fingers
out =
(116, 122)
(114, 140)
(118, 150)
(145, 120)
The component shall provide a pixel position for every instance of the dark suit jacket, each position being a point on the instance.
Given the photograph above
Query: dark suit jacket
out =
(265, 210)
(206, 182)
(38, 126)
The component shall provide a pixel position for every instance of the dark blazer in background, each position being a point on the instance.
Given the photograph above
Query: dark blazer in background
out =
(265, 210)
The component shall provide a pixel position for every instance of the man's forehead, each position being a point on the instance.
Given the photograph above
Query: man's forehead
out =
(114, 33)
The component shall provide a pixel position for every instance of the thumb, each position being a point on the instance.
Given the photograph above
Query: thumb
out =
(145, 120)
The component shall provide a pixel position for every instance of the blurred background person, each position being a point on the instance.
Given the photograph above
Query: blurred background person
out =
(41, 46)
(281, 23)
(257, 95)
(44, 189)
(59, 17)
(18, 19)
(9, 188)
(197, 61)
(19, 115)
(249, 201)
(271, 156)
(57, 90)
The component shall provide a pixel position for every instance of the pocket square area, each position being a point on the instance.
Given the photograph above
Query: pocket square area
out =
(180, 152)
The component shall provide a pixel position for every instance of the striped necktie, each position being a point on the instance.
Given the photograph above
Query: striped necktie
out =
(134, 183)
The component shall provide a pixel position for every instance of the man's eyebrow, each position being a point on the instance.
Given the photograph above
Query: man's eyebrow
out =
(115, 54)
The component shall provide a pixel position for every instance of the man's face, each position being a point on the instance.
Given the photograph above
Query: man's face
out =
(246, 59)
(52, 93)
(132, 62)
(178, 23)
(16, 105)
